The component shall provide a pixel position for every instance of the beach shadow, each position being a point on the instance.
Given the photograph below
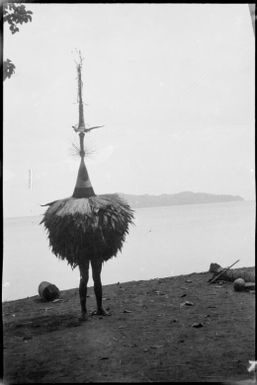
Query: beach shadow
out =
(30, 327)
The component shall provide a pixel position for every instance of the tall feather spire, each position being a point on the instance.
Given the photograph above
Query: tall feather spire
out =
(83, 187)
(81, 125)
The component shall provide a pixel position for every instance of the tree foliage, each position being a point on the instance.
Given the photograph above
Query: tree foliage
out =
(13, 15)
(8, 68)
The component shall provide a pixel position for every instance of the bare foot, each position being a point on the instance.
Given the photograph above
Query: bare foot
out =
(83, 317)
(101, 311)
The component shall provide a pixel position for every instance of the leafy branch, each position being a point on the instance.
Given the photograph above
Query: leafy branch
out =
(13, 15)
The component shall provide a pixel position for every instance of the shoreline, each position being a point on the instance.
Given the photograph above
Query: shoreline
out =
(131, 282)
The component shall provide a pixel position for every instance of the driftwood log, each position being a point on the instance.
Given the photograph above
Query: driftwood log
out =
(246, 273)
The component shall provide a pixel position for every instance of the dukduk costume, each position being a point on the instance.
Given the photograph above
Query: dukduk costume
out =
(86, 225)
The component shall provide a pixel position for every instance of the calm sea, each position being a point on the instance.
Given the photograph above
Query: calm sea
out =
(165, 241)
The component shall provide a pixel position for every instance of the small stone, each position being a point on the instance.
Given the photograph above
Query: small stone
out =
(187, 303)
(197, 325)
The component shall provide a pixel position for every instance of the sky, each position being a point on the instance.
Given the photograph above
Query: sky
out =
(173, 85)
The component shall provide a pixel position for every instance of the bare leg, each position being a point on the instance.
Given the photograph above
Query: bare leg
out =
(96, 272)
(83, 268)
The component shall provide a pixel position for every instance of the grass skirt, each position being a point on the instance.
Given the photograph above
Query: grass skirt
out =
(87, 228)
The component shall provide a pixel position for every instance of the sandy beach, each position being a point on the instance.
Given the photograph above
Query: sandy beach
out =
(174, 329)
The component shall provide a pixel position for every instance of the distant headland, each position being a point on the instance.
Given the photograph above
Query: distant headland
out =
(181, 198)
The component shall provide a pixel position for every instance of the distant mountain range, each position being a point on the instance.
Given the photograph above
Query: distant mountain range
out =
(182, 198)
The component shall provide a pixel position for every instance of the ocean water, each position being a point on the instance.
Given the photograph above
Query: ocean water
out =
(165, 241)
